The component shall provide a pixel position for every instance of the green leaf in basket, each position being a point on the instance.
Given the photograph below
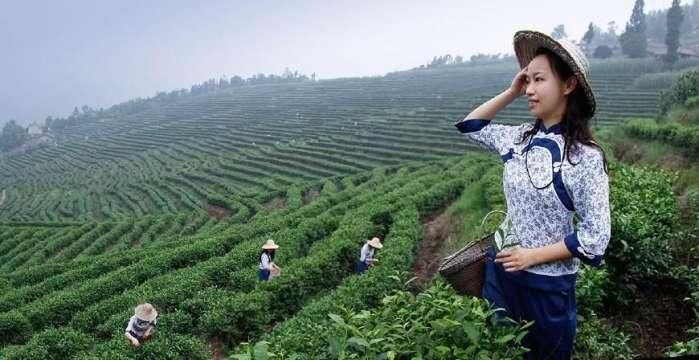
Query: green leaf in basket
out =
(498, 238)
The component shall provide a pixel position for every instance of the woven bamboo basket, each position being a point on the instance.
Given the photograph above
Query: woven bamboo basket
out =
(465, 269)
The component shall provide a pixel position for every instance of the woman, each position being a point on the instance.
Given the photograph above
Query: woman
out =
(366, 255)
(267, 264)
(141, 326)
(553, 170)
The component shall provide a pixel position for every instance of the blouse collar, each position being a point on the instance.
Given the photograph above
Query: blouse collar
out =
(554, 129)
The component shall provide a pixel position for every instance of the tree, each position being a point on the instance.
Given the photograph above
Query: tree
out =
(559, 32)
(12, 135)
(672, 39)
(589, 34)
(633, 40)
(602, 52)
(223, 82)
(237, 80)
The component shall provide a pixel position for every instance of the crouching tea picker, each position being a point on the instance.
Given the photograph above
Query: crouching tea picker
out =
(141, 326)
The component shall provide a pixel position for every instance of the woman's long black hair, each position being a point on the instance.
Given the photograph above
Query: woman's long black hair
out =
(576, 121)
(269, 252)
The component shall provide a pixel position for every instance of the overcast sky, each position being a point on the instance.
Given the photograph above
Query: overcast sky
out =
(59, 54)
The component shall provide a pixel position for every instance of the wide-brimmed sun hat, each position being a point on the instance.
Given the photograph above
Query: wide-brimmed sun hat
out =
(270, 245)
(146, 312)
(376, 243)
(526, 42)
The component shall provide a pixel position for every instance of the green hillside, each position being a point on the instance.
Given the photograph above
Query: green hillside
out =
(170, 206)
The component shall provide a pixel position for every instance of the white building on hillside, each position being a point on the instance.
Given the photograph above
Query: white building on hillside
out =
(34, 130)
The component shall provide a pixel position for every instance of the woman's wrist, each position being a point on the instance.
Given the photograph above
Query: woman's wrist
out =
(538, 255)
(552, 252)
(490, 108)
(511, 94)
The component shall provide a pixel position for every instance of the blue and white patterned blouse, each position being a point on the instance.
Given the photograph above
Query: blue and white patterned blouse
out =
(539, 217)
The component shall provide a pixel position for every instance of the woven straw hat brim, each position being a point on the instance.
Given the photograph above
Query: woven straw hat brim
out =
(375, 243)
(526, 42)
(143, 313)
(270, 245)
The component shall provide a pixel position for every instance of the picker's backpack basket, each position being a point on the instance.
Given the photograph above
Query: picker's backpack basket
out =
(465, 269)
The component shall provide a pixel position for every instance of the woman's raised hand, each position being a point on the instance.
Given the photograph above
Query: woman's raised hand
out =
(519, 83)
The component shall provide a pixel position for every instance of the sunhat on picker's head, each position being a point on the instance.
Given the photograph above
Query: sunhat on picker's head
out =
(526, 42)
(270, 245)
(375, 243)
(146, 312)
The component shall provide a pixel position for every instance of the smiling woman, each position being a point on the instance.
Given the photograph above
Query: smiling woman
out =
(553, 170)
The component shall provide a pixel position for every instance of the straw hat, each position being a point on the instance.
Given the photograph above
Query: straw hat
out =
(146, 312)
(376, 243)
(270, 245)
(526, 42)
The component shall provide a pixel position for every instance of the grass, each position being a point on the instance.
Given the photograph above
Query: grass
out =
(682, 115)
(468, 211)
(659, 155)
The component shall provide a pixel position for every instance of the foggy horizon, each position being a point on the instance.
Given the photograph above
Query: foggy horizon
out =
(59, 56)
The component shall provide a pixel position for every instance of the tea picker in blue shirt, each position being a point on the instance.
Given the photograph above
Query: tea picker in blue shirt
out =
(366, 255)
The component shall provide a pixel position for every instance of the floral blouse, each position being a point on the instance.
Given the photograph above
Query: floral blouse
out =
(541, 211)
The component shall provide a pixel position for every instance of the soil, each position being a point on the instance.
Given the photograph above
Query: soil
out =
(278, 203)
(217, 211)
(310, 195)
(659, 320)
(436, 229)
(216, 348)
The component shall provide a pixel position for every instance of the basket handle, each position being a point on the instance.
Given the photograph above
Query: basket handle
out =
(490, 213)
(482, 223)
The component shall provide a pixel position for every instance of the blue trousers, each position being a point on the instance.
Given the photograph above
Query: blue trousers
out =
(362, 266)
(264, 274)
(553, 312)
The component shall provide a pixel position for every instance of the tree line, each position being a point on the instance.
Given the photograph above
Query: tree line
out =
(13, 134)
(669, 25)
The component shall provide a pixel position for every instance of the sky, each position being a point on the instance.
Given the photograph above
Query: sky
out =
(55, 55)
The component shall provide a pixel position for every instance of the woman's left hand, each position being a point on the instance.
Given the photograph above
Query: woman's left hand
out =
(516, 259)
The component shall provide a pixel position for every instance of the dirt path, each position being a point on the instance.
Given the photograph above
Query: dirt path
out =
(436, 229)
(217, 211)
(216, 348)
(278, 203)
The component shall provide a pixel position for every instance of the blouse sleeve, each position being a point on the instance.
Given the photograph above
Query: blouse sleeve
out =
(264, 259)
(590, 193)
(493, 137)
(129, 327)
(364, 254)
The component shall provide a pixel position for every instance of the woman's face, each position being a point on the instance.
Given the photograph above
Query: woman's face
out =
(546, 93)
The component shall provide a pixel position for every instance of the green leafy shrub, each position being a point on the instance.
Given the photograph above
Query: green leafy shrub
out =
(686, 137)
(596, 340)
(686, 86)
(692, 102)
(14, 328)
(643, 214)
(51, 343)
(436, 324)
